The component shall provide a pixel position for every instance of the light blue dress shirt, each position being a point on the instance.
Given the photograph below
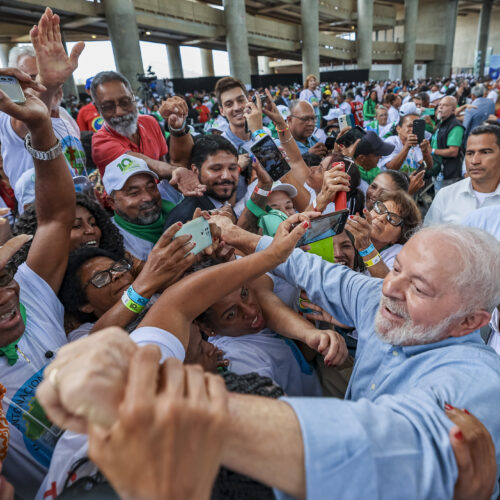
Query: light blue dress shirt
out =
(389, 438)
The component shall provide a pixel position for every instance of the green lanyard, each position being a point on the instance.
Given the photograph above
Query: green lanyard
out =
(10, 351)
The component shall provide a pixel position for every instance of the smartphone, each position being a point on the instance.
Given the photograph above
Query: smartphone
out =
(428, 112)
(324, 226)
(11, 87)
(270, 157)
(350, 137)
(346, 121)
(199, 229)
(419, 129)
(421, 167)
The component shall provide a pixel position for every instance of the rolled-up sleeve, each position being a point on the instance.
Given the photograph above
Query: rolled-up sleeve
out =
(390, 449)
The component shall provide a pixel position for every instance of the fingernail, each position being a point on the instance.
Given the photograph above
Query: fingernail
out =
(466, 411)
(448, 407)
(351, 216)
(305, 224)
(179, 224)
(459, 435)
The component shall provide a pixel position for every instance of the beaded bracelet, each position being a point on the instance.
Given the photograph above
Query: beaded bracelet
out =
(281, 130)
(367, 251)
(372, 262)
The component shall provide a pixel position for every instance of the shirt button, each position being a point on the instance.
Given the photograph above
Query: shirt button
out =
(395, 353)
(372, 387)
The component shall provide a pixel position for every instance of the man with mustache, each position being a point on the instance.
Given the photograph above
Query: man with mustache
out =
(215, 161)
(127, 132)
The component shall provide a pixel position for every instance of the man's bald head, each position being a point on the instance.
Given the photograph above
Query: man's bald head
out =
(447, 107)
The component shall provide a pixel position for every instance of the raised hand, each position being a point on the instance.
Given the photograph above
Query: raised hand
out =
(272, 111)
(54, 65)
(253, 114)
(174, 111)
(334, 181)
(330, 344)
(187, 182)
(361, 229)
(416, 182)
(288, 234)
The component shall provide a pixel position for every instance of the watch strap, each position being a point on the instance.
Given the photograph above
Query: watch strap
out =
(51, 154)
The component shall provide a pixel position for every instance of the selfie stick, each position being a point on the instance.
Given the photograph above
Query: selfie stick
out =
(341, 196)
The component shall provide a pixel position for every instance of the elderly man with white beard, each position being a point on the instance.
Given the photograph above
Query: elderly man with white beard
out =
(418, 352)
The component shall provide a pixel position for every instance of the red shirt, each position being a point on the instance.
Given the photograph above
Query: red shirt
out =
(89, 118)
(357, 111)
(107, 145)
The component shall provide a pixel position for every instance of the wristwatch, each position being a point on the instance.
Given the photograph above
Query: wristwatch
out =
(51, 154)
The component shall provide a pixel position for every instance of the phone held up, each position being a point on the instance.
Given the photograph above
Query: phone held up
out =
(418, 129)
(199, 229)
(324, 226)
(12, 88)
(270, 157)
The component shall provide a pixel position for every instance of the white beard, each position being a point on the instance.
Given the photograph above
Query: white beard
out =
(408, 333)
(125, 125)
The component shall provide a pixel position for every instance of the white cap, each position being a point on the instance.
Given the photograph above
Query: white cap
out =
(287, 188)
(333, 114)
(409, 108)
(120, 170)
(284, 110)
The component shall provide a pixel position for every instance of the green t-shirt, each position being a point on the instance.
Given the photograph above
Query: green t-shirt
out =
(454, 138)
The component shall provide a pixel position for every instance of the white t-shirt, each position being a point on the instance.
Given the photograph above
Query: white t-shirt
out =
(16, 159)
(310, 96)
(412, 160)
(136, 246)
(481, 197)
(393, 114)
(493, 95)
(330, 208)
(28, 458)
(72, 447)
(346, 108)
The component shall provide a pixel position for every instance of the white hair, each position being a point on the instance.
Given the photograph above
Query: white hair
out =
(19, 51)
(477, 276)
(478, 90)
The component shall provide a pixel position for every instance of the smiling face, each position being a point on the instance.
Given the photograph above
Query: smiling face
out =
(238, 313)
(380, 184)
(279, 200)
(11, 322)
(85, 231)
(343, 250)
(419, 304)
(233, 103)
(383, 232)
(201, 352)
(100, 300)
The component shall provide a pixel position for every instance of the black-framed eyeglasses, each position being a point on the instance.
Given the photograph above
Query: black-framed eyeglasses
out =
(125, 103)
(103, 278)
(305, 119)
(393, 219)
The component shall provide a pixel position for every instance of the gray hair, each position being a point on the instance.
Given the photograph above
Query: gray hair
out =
(295, 103)
(478, 90)
(19, 51)
(107, 76)
(478, 271)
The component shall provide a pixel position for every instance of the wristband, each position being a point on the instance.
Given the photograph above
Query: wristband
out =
(433, 151)
(135, 297)
(130, 304)
(372, 262)
(258, 133)
(181, 131)
(255, 209)
(364, 252)
(281, 130)
(314, 204)
(261, 192)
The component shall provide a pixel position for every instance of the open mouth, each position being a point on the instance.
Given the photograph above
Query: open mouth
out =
(9, 318)
(258, 322)
(91, 243)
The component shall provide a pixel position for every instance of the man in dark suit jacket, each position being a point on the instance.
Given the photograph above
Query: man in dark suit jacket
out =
(284, 98)
(215, 161)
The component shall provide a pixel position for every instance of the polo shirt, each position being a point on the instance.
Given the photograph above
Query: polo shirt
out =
(107, 144)
(89, 118)
(453, 203)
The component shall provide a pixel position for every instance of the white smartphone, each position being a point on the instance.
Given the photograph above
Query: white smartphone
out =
(11, 87)
(199, 229)
(345, 121)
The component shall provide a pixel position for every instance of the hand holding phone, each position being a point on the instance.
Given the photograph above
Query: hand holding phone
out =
(270, 157)
(418, 129)
(11, 86)
(199, 229)
(324, 226)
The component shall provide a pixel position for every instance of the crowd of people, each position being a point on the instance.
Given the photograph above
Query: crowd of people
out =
(170, 330)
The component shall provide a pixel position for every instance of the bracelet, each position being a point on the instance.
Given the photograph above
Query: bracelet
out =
(315, 206)
(372, 262)
(51, 154)
(258, 133)
(367, 250)
(261, 192)
(135, 297)
(287, 141)
(130, 304)
(179, 132)
(281, 130)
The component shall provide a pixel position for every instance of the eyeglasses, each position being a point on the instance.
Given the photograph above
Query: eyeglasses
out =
(305, 118)
(103, 278)
(125, 103)
(393, 219)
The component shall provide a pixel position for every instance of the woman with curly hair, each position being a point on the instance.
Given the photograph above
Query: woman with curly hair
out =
(92, 228)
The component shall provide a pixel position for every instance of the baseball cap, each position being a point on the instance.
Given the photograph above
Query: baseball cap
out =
(371, 143)
(333, 114)
(88, 82)
(120, 170)
(287, 188)
(409, 108)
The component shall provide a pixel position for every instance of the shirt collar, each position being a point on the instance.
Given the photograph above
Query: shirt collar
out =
(494, 321)
(471, 190)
